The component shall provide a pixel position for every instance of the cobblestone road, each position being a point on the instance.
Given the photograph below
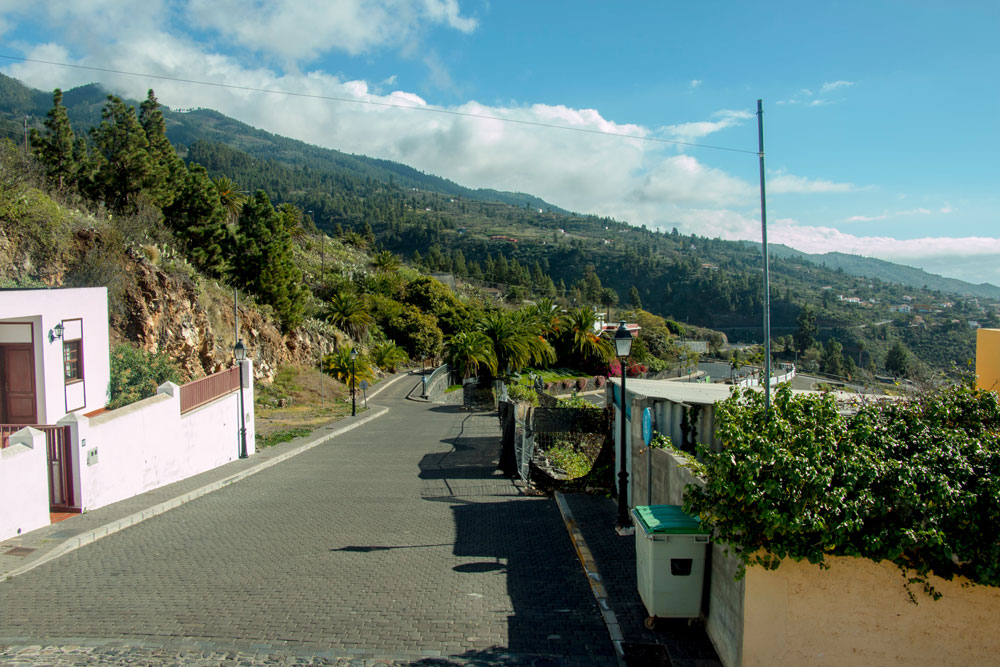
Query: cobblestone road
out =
(395, 543)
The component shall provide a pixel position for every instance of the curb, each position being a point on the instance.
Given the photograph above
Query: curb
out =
(593, 578)
(77, 541)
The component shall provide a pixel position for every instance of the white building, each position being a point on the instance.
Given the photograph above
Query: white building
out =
(60, 450)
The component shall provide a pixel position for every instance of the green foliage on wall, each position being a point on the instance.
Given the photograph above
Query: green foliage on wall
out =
(915, 483)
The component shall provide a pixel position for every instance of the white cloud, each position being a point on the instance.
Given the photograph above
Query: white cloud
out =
(300, 30)
(642, 182)
(691, 132)
(781, 182)
(974, 259)
(807, 97)
(867, 218)
(695, 83)
(834, 85)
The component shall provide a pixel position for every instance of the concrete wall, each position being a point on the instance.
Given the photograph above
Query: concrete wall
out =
(84, 313)
(723, 614)
(145, 445)
(988, 359)
(24, 490)
(857, 613)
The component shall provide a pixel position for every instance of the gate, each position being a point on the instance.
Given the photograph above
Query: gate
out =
(61, 492)
(62, 495)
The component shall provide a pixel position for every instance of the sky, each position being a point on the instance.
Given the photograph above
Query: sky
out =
(880, 117)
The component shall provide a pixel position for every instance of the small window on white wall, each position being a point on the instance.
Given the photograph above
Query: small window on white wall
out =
(73, 360)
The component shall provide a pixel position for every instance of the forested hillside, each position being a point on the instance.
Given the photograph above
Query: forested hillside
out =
(514, 243)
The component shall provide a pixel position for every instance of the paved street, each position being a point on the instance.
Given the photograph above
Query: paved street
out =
(394, 541)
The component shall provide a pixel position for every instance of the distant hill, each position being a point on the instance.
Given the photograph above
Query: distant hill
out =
(526, 248)
(84, 105)
(870, 267)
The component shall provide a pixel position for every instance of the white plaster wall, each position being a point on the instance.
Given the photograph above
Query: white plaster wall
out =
(149, 444)
(724, 621)
(24, 489)
(44, 309)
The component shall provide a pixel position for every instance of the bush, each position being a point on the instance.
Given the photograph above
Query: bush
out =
(912, 482)
(522, 394)
(136, 373)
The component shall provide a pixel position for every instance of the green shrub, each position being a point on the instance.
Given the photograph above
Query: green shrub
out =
(136, 373)
(522, 394)
(916, 482)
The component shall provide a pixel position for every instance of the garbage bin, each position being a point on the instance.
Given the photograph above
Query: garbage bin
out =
(670, 550)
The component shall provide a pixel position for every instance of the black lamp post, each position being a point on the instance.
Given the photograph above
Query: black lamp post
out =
(354, 403)
(240, 352)
(623, 348)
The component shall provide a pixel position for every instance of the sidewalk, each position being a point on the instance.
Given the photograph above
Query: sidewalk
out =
(609, 560)
(25, 552)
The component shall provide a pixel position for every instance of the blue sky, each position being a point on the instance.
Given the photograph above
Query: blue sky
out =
(881, 118)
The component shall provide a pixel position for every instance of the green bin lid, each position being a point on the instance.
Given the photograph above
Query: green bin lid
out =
(669, 519)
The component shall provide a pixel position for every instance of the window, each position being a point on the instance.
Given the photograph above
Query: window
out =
(72, 360)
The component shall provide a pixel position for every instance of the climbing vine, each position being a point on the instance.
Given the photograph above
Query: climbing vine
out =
(916, 483)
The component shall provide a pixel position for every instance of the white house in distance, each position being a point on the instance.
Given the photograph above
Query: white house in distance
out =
(61, 451)
(54, 353)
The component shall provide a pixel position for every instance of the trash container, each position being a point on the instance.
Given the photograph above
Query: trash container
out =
(670, 550)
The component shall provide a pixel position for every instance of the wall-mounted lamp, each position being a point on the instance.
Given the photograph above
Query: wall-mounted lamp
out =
(57, 332)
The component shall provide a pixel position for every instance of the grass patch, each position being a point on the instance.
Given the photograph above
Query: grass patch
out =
(565, 457)
(278, 437)
(551, 375)
(454, 387)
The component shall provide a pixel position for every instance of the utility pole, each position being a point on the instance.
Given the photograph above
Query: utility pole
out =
(25, 135)
(236, 313)
(767, 285)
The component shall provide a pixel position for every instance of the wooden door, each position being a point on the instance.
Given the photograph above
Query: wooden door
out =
(18, 369)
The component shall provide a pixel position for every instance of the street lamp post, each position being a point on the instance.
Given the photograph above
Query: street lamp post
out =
(623, 348)
(240, 352)
(354, 403)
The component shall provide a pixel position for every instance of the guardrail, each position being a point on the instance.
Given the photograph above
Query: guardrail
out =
(432, 383)
(196, 393)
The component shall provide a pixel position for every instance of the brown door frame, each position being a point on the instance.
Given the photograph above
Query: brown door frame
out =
(4, 380)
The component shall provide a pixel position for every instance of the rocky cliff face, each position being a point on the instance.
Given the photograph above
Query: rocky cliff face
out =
(192, 321)
(165, 307)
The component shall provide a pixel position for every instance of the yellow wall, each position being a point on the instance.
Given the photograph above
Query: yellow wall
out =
(988, 359)
(857, 613)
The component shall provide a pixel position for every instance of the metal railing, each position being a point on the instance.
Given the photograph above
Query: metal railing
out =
(205, 390)
(432, 384)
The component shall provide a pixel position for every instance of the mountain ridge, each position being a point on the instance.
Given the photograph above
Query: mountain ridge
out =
(187, 127)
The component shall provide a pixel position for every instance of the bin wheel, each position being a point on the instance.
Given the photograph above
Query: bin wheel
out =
(650, 622)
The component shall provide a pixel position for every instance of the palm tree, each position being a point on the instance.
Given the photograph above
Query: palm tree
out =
(582, 337)
(230, 197)
(386, 262)
(549, 316)
(516, 340)
(387, 355)
(467, 351)
(609, 299)
(351, 372)
(348, 312)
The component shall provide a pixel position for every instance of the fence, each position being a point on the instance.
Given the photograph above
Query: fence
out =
(562, 443)
(205, 390)
(435, 384)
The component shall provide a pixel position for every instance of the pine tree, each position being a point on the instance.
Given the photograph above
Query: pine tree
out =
(633, 298)
(168, 175)
(123, 165)
(264, 264)
(55, 148)
(198, 220)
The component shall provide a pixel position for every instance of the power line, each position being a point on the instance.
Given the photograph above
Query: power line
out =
(333, 98)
